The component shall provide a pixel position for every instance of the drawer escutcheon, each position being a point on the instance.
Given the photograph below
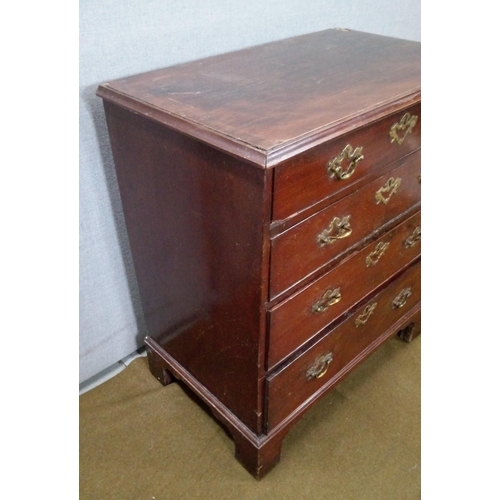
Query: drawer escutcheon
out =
(341, 227)
(412, 240)
(364, 316)
(390, 187)
(375, 256)
(401, 299)
(330, 297)
(405, 125)
(334, 166)
(320, 367)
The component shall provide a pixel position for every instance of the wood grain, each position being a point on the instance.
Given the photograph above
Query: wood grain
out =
(289, 387)
(303, 181)
(296, 253)
(221, 169)
(269, 96)
(293, 322)
(195, 221)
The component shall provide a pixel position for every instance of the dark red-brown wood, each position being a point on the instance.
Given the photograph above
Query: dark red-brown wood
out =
(221, 170)
(303, 181)
(296, 253)
(195, 220)
(412, 329)
(266, 98)
(293, 322)
(345, 343)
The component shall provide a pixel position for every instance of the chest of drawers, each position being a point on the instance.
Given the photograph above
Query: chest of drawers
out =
(272, 204)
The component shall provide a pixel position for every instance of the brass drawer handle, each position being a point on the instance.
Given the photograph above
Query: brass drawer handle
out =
(330, 297)
(367, 312)
(404, 125)
(390, 187)
(334, 166)
(320, 367)
(413, 238)
(340, 227)
(374, 256)
(401, 299)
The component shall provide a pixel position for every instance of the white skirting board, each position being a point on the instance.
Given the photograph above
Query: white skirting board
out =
(111, 371)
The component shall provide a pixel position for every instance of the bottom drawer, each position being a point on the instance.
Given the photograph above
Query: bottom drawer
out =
(340, 350)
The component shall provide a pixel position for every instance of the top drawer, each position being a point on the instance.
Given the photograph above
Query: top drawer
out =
(340, 164)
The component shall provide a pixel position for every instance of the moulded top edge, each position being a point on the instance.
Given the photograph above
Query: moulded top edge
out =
(249, 152)
(267, 98)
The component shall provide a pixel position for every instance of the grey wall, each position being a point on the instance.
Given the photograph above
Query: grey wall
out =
(120, 38)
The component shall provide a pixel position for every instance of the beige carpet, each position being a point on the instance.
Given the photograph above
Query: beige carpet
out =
(139, 440)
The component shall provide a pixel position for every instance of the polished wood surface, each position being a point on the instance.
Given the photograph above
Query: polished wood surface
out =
(186, 206)
(268, 96)
(221, 166)
(293, 321)
(345, 343)
(296, 252)
(303, 181)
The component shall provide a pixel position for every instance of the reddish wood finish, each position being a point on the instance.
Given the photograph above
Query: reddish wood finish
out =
(293, 322)
(204, 153)
(303, 181)
(345, 342)
(296, 253)
(258, 458)
(257, 453)
(186, 206)
(266, 97)
(159, 369)
(412, 329)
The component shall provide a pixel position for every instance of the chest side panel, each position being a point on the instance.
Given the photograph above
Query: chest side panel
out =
(196, 220)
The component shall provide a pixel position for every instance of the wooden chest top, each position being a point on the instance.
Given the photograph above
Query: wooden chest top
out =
(270, 102)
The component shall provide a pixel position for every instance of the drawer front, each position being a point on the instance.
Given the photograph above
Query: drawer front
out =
(347, 344)
(341, 163)
(297, 319)
(304, 248)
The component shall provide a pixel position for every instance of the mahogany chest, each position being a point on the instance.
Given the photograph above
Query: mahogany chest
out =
(272, 202)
